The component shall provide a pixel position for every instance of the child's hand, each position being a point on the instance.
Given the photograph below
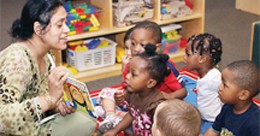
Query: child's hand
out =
(126, 59)
(119, 97)
(165, 95)
(112, 132)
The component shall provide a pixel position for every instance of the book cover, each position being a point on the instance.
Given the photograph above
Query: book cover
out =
(76, 94)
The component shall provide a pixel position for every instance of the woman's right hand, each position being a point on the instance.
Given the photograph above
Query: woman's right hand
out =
(56, 79)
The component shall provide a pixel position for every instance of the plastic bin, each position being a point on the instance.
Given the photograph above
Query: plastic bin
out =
(92, 58)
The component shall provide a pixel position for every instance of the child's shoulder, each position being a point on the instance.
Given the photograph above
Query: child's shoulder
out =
(253, 109)
(172, 65)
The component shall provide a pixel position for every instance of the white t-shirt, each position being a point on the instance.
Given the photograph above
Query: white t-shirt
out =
(208, 101)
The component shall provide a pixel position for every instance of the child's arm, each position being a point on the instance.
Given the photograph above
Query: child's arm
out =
(211, 132)
(179, 94)
(125, 61)
(123, 124)
(173, 84)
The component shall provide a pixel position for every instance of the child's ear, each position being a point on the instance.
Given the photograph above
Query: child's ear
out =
(158, 47)
(202, 59)
(244, 94)
(158, 132)
(151, 83)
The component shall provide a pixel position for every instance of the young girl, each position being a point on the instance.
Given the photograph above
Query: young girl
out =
(108, 108)
(127, 45)
(203, 52)
(146, 72)
(142, 34)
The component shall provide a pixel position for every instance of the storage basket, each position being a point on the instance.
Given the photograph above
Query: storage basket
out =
(92, 58)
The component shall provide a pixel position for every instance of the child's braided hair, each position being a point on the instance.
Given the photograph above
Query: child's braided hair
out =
(157, 63)
(207, 42)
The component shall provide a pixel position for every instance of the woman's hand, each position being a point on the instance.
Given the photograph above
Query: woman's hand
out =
(56, 80)
(63, 109)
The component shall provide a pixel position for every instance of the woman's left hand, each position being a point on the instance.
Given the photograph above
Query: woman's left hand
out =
(63, 109)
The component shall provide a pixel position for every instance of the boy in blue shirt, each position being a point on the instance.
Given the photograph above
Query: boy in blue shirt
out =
(239, 116)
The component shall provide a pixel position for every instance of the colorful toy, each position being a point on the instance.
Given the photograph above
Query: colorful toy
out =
(103, 43)
(75, 43)
(72, 70)
(94, 43)
(81, 18)
(81, 48)
(120, 52)
(171, 38)
(183, 43)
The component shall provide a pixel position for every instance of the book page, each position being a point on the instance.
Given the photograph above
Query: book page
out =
(76, 94)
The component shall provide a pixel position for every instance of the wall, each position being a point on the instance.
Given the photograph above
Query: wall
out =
(9, 11)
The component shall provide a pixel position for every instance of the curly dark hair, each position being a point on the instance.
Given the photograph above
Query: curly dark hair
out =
(207, 42)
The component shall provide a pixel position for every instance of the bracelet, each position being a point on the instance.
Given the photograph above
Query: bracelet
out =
(37, 107)
(50, 101)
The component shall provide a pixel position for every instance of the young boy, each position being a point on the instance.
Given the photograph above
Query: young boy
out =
(176, 118)
(239, 116)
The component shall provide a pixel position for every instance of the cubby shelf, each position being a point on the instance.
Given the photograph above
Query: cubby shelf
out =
(114, 70)
(192, 24)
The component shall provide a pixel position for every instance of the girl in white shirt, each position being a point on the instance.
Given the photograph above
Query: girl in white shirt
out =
(202, 54)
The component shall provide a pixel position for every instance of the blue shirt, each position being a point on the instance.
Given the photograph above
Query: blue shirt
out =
(246, 124)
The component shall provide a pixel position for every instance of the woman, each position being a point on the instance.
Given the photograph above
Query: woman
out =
(29, 88)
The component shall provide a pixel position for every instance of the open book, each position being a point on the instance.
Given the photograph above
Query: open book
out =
(76, 95)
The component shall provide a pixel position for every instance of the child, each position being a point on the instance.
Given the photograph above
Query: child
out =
(148, 32)
(239, 116)
(146, 71)
(144, 33)
(127, 45)
(176, 118)
(203, 52)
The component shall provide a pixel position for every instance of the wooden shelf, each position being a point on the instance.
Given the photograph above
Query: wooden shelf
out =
(252, 7)
(191, 25)
(99, 73)
(115, 70)
(114, 30)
